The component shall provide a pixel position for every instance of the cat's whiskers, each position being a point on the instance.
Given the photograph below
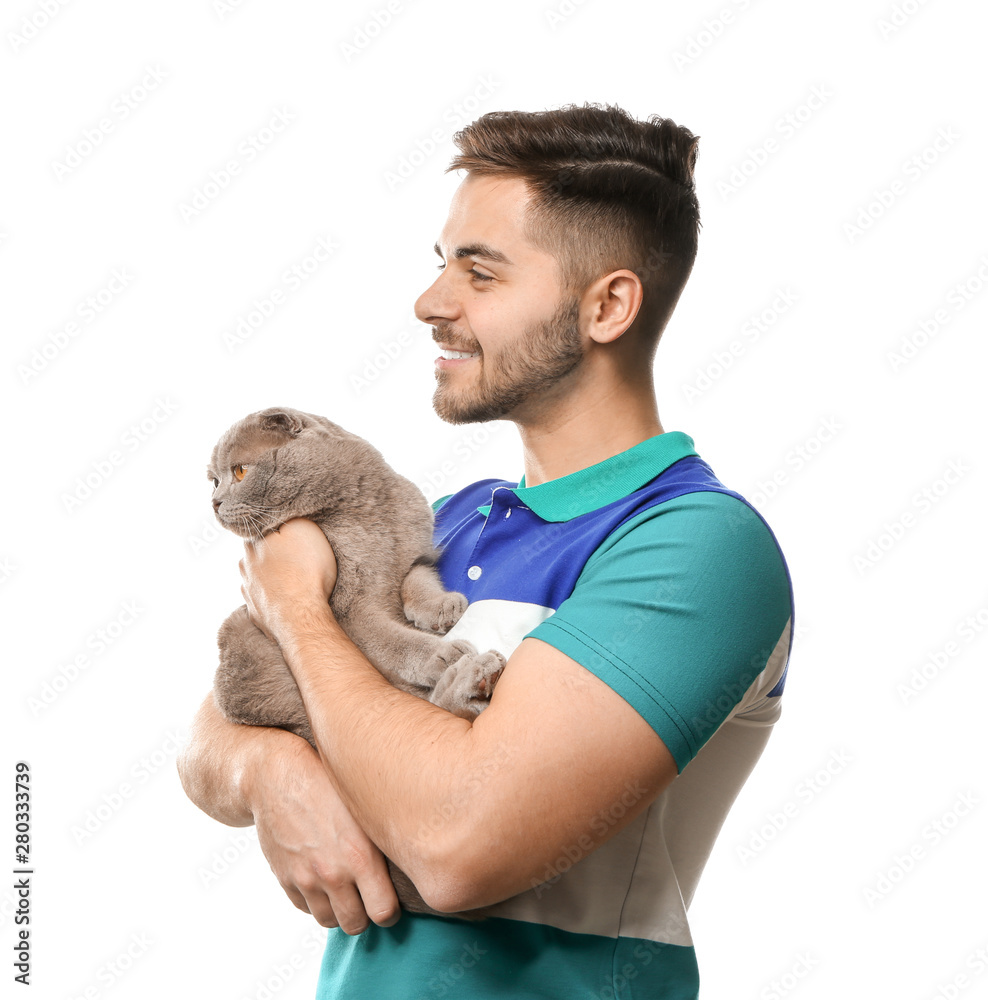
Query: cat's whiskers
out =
(252, 517)
(253, 505)
(252, 524)
(255, 513)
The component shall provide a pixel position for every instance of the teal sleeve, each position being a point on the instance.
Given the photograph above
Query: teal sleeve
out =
(679, 611)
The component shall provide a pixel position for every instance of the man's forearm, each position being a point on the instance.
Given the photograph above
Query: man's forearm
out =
(395, 759)
(219, 760)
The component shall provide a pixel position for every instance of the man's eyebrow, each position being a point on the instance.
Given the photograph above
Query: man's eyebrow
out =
(477, 250)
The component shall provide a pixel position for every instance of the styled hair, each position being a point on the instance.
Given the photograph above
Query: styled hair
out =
(607, 192)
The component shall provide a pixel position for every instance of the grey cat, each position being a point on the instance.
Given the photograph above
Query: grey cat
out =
(280, 463)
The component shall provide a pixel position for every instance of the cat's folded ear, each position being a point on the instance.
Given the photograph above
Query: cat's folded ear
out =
(284, 420)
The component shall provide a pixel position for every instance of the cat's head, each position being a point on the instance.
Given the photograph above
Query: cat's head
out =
(281, 463)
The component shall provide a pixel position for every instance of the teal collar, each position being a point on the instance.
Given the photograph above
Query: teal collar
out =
(596, 486)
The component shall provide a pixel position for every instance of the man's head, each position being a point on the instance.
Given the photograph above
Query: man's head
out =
(569, 220)
(608, 192)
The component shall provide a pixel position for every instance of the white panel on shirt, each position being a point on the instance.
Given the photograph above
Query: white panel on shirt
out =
(496, 624)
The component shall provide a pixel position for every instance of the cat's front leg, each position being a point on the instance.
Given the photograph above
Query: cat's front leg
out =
(413, 660)
(427, 604)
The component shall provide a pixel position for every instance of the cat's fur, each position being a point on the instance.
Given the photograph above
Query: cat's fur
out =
(388, 596)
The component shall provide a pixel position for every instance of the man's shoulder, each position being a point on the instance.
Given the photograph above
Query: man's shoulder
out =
(707, 516)
(712, 543)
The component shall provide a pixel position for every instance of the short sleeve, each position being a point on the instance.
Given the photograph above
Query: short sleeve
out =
(682, 610)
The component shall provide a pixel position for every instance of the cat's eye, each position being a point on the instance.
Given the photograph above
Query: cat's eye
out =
(239, 471)
(216, 483)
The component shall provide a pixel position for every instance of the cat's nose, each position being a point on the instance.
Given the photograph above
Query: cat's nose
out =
(216, 504)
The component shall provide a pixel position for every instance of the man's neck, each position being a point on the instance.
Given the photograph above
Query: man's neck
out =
(581, 432)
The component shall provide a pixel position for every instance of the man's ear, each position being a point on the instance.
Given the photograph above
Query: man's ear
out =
(612, 303)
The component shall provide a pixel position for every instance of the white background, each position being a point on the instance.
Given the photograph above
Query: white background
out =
(138, 894)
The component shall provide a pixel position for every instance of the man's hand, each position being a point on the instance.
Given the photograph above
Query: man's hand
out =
(322, 858)
(289, 570)
(325, 863)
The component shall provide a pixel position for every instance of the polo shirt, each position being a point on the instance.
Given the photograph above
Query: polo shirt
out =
(673, 590)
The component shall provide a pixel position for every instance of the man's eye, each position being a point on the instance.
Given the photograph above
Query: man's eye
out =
(472, 271)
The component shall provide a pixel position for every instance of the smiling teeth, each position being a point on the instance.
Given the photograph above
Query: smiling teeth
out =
(455, 355)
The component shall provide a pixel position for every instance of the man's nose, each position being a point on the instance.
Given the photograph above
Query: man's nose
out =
(436, 302)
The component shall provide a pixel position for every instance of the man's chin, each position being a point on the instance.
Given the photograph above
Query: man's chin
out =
(453, 411)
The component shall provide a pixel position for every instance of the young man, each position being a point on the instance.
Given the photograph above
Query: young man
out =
(644, 608)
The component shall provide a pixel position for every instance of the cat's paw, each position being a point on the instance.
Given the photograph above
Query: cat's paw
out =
(465, 688)
(448, 653)
(441, 616)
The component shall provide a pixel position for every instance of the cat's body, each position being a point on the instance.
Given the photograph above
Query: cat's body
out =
(280, 463)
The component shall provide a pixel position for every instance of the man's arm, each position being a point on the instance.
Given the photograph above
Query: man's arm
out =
(327, 865)
(475, 813)
(472, 812)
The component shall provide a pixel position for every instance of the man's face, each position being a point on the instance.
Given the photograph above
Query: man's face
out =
(508, 333)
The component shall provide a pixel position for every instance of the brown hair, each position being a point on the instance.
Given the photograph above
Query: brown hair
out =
(608, 192)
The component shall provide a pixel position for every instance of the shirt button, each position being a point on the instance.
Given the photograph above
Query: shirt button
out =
(474, 572)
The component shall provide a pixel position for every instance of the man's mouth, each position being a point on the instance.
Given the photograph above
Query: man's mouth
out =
(456, 355)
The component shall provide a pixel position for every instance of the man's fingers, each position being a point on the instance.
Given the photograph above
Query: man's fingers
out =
(301, 903)
(378, 897)
(385, 917)
(346, 911)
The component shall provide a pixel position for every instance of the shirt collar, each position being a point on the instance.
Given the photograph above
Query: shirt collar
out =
(597, 485)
